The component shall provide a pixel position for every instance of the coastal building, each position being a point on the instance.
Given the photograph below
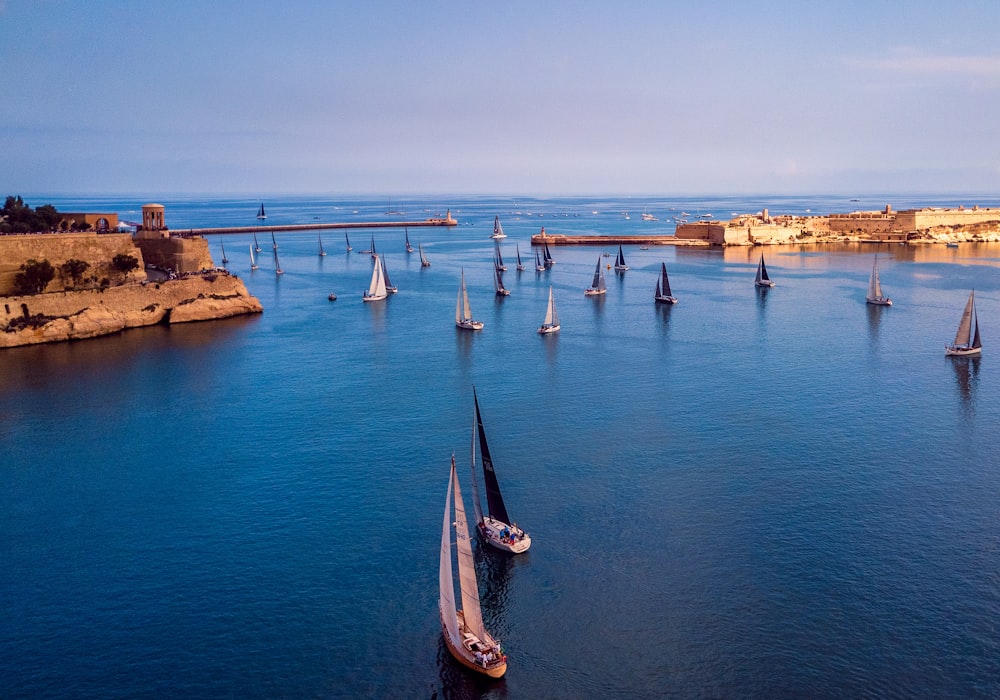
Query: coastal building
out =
(181, 253)
(90, 221)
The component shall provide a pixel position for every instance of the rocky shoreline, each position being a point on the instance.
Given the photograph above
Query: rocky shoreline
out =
(74, 315)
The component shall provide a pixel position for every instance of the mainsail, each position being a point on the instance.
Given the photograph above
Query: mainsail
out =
(551, 317)
(665, 285)
(446, 581)
(965, 333)
(463, 312)
(874, 285)
(494, 500)
(466, 566)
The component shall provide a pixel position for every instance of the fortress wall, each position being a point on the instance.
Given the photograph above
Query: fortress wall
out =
(920, 219)
(868, 224)
(770, 234)
(57, 248)
(180, 254)
(713, 232)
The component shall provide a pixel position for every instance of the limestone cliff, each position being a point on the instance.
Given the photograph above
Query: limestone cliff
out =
(46, 318)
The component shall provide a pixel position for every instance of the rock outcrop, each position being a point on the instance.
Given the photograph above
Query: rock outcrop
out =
(53, 317)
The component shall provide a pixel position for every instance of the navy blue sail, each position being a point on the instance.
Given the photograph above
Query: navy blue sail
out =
(494, 501)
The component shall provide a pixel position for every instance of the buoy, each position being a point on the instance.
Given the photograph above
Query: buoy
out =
(332, 297)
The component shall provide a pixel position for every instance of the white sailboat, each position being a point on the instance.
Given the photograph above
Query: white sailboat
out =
(463, 630)
(277, 265)
(322, 253)
(551, 322)
(874, 295)
(409, 248)
(967, 341)
(424, 262)
(376, 288)
(496, 527)
(497, 229)
(253, 263)
(598, 285)
(463, 312)
(348, 240)
(520, 266)
(389, 286)
(762, 279)
(663, 294)
(620, 265)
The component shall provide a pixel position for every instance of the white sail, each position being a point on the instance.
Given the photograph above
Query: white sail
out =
(964, 334)
(446, 581)
(874, 285)
(376, 288)
(497, 229)
(253, 263)
(551, 317)
(466, 567)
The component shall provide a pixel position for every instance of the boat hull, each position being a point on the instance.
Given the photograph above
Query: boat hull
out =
(466, 657)
(374, 297)
(665, 300)
(469, 325)
(594, 292)
(958, 351)
(503, 292)
(491, 532)
(880, 301)
(545, 330)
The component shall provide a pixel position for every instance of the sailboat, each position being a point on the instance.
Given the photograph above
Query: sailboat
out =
(874, 295)
(374, 253)
(497, 229)
(409, 248)
(274, 243)
(463, 630)
(463, 312)
(225, 260)
(539, 267)
(389, 287)
(496, 528)
(551, 322)
(762, 279)
(598, 286)
(620, 265)
(253, 263)
(520, 266)
(547, 256)
(967, 340)
(256, 245)
(322, 253)
(498, 259)
(498, 280)
(424, 262)
(277, 265)
(663, 294)
(348, 240)
(260, 212)
(376, 288)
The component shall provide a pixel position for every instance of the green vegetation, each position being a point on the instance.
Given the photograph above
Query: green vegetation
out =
(18, 217)
(125, 263)
(34, 277)
(74, 269)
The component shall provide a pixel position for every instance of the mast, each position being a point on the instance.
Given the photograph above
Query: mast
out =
(494, 500)
(446, 580)
(320, 239)
(552, 309)
(466, 566)
(475, 481)
(976, 342)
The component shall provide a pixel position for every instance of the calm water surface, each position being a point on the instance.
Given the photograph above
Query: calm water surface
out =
(776, 494)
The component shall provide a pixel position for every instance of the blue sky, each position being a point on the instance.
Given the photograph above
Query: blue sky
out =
(529, 98)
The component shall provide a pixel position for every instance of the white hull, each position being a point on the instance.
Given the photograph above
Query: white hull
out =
(544, 330)
(621, 268)
(498, 236)
(492, 531)
(665, 300)
(880, 301)
(955, 351)
(503, 292)
(374, 297)
(764, 283)
(470, 325)
(594, 292)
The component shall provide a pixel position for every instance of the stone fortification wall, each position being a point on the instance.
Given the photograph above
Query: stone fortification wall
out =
(922, 219)
(175, 253)
(46, 318)
(96, 249)
(862, 222)
(711, 231)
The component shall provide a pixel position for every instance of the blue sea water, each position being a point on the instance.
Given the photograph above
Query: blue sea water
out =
(784, 493)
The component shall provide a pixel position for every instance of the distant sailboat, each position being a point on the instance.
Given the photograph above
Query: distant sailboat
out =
(547, 256)
(424, 262)
(551, 322)
(409, 248)
(499, 259)
(663, 294)
(497, 229)
(322, 253)
(498, 280)
(376, 288)
(520, 266)
(874, 295)
(260, 212)
(256, 245)
(348, 240)
(967, 341)
(374, 253)
(598, 285)
(539, 267)
(496, 528)
(277, 265)
(463, 630)
(762, 279)
(225, 260)
(463, 312)
(274, 243)
(620, 265)
(253, 263)
(389, 286)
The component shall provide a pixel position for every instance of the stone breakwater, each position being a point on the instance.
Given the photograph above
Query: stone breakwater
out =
(58, 316)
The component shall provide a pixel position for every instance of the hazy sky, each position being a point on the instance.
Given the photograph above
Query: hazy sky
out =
(533, 98)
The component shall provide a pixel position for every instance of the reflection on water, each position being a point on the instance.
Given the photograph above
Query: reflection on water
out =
(966, 379)
(874, 312)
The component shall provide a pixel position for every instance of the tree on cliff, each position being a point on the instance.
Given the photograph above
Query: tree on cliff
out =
(34, 277)
(125, 263)
(74, 269)
(18, 217)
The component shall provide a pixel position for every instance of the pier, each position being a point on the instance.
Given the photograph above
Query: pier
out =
(314, 227)
(559, 239)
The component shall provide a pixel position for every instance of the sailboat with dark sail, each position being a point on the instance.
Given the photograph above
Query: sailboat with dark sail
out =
(225, 260)
(424, 262)
(520, 266)
(322, 253)
(547, 256)
(762, 279)
(463, 630)
(598, 285)
(256, 245)
(539, 267)
(498, 280)
(389, 286)
(498, 259)
(496, 526)
(497, 229)
(348, 241)
(620, 265)
(967, 341)
(260, 212)
(663, 294)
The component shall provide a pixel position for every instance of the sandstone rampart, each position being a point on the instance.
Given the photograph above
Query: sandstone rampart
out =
(57, 316)
(98, 250)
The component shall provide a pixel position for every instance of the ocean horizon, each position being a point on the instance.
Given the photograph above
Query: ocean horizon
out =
(781, 493)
